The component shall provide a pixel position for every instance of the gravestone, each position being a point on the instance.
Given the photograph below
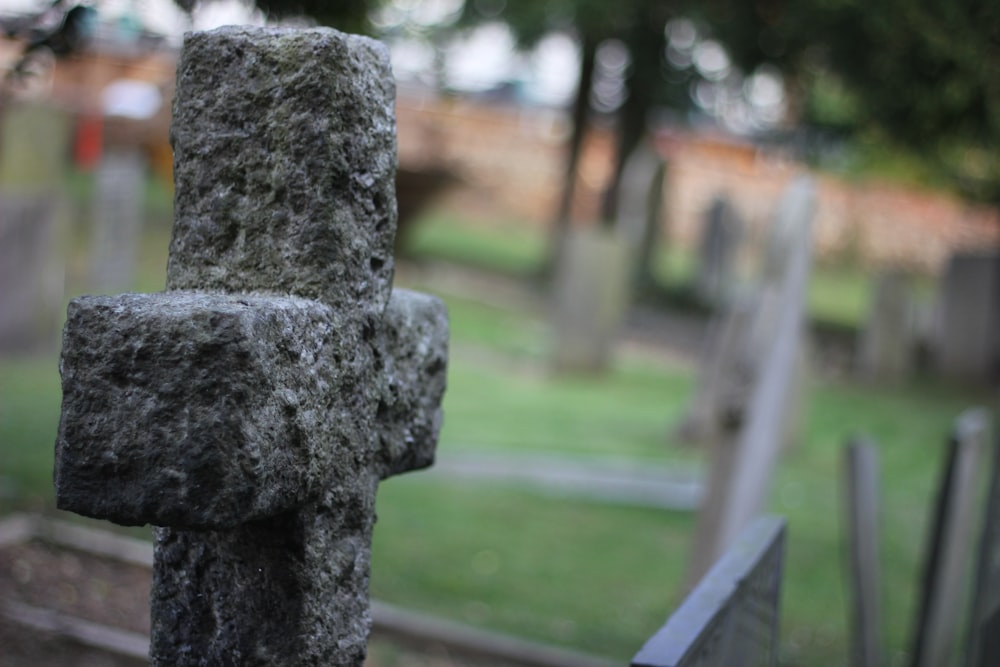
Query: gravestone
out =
(251, 409)
(886, 349)
(590, 298)
(983, 641)
(117, 218)
(33, 146)
(861, 475)
(731, 617)
(720, 239)
(945, 581)
(786, 230)
(741, 462)
(969, 310)
(641, 209)
(725, 376)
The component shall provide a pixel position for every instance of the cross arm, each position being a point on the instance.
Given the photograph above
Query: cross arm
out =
(200, 410)
(416, 360)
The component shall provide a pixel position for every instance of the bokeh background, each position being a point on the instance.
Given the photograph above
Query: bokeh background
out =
(522, 123)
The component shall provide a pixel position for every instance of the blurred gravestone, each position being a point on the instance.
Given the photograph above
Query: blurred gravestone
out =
(121, 179)
(718, 249)
(969, 310)
(591, 295)
(732, 616)
(117, 219)
(945, 582)
(886, 351)
(640, 210)
(983, 645)
(34, 142)
(759, 418)
(252, 408)
(789, 237)
(724, 377)
(862, 532)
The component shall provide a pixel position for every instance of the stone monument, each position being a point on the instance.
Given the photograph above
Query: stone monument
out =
(33, 225)
(968, 345)
(887, 344)
(118, 218)
(590, 300)
(641, 208)
(251, 409)
(757, 407)
(717, 253)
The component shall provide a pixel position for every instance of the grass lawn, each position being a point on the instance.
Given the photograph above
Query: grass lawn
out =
(838, 295)
(587, 575)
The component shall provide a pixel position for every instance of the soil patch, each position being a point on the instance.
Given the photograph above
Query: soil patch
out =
(37, 575)
(71, 582)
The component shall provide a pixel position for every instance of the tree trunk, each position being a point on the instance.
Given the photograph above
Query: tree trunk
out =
(646, 45)
(580, 113)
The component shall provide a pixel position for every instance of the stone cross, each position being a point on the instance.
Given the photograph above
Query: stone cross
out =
(251, 409)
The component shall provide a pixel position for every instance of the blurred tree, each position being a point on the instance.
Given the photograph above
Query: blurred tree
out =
(347, 15)
(639, 26)
(917, 78)
(58, 30)
(923, 74)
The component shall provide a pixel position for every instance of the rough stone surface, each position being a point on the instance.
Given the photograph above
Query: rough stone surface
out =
(416, 336)
(285, 162)
(252, 409)
(266, 386)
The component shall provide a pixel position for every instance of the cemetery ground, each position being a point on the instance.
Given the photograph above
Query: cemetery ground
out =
(566, 569)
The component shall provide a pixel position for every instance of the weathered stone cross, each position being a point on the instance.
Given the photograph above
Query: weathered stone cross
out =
(251, 409)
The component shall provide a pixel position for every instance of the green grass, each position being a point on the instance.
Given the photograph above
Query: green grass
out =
(512, 248)
(29, 415)
(582, 574)
(589, 576)
(838, 294)
(496, 328)
(626, 414)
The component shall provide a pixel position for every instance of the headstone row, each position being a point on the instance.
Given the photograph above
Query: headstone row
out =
(958, 575)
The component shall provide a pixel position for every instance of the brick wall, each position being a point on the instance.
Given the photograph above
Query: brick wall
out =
(510, 161)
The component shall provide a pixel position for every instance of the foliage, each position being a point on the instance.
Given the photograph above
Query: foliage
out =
(639, 25)
(922, 75)
(926, 74)
(530, 20)
(346, 15)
